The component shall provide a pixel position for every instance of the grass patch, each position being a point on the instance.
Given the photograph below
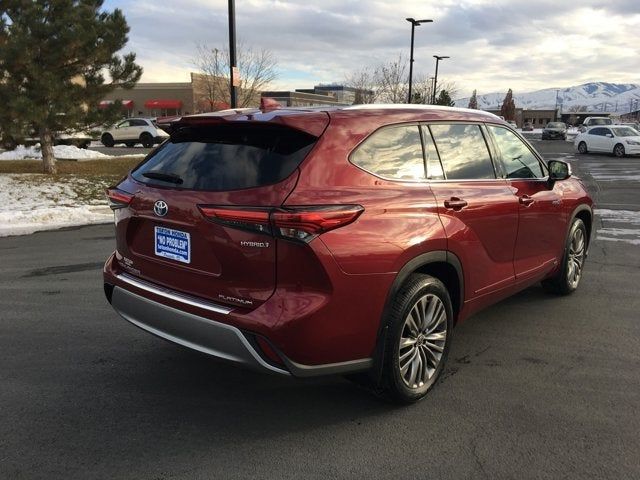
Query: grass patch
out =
(113, 167)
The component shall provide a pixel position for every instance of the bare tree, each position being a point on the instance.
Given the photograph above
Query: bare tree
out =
(392, 81)
(364, 81)
(258, 69)
(422, 89)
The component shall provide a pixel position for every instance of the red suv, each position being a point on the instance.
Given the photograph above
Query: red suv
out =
(313, 242)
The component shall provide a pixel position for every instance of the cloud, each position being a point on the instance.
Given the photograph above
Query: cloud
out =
(493, 45)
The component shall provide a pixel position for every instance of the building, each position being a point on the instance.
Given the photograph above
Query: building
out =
(539, 118)
(202, 94)
(303, 98)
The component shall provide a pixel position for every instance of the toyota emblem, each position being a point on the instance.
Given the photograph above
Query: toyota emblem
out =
(161, 208)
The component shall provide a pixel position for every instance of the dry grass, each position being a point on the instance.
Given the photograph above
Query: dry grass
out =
(115, 167)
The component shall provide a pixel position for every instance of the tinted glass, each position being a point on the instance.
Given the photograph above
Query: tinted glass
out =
(226, 157)
(392, 152)
(597, 131)
(600, 121)
(463, 152)
(138, 123)
(556, 125)
(517, 159)
(126, 123)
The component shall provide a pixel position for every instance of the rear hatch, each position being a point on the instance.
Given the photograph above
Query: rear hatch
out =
(198, 222)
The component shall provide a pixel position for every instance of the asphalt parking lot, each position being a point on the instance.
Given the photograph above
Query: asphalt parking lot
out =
(536, 387)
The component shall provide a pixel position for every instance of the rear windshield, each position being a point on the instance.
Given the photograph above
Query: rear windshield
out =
(600, 121)
(555, 125)
(226, 157)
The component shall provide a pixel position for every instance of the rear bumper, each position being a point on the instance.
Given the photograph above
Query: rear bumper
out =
(145, 305)
(192, 331)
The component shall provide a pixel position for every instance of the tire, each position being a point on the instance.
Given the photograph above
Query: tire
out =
(582, 148)
(568, 278)
(618, 150)
(84, 145)
(421, 317)
(107, 140)
(146, 140)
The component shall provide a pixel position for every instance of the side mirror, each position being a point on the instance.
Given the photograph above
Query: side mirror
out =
(558, 170)
(609, 135)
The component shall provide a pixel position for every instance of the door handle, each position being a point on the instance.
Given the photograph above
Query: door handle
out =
(525, 200)
(455, 203)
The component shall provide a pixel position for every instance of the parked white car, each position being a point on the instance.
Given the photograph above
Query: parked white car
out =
(613, 139)
(132, 131)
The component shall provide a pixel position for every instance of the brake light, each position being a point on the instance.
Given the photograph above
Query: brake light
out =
(118, 198)
(256, 219)
(304, 223)
(299, 223)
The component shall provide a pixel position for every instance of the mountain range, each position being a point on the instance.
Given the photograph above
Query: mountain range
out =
(590, 97)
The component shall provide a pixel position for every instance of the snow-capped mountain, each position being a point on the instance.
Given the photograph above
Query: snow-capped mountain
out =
(590, 97)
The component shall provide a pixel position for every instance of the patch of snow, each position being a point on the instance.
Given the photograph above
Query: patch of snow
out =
(27, 206)
(63, 152)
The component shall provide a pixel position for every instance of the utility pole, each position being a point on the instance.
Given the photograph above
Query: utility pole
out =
(234, 77)
(414, 23)
(435, 78)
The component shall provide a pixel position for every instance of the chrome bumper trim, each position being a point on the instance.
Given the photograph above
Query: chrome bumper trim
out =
(178, 297)
(192, 331)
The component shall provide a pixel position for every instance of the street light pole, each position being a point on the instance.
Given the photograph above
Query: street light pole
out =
(233, 70)
(555, 113)
(435, 78)
(414, 24)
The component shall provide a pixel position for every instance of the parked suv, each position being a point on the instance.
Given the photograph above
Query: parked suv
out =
(132, 131)
(315, 242)
(594, 121)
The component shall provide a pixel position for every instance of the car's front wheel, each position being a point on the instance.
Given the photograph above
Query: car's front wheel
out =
(420, 325)
(618, 150)
(582, 147)
(575, 253)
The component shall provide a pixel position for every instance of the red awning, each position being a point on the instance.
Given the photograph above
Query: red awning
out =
(128, 104)
(167, 104)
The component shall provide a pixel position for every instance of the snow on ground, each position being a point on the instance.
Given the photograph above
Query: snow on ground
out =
(31, 202)
(63, 152)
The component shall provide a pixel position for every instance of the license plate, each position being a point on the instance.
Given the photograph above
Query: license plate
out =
(173, 244)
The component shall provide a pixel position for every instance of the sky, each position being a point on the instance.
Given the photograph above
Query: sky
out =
(493, 45)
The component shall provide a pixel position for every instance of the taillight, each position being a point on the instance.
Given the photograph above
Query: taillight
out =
(304, 223)
(118, 198)
(256, 219)
(299, 223)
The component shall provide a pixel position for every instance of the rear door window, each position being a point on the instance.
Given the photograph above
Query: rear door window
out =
(517, 159)
(463, 151)
(393, 152)
(226, 157)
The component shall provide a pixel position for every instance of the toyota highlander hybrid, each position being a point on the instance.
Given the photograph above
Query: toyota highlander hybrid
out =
(340, 241)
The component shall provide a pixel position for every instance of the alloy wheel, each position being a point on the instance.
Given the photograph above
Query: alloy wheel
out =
(422, 342)
(575, 260)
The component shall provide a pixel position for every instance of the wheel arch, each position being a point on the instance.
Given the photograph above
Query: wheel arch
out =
(440, 264)
(584, 213)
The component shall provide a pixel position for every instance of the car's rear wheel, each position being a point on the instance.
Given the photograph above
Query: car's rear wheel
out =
(147, 140)
(575, 253)
(420, 325)
(618, 150)
(107, 140)
(582, 147)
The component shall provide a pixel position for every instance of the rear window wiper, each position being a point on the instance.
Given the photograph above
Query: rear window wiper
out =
(165, 177)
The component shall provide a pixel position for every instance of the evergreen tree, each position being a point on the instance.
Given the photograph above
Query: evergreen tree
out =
(444, 99)
(53, 55)
(508, 109)
(473, 101)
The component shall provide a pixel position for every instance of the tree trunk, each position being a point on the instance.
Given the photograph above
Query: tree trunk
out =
(46, 146)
